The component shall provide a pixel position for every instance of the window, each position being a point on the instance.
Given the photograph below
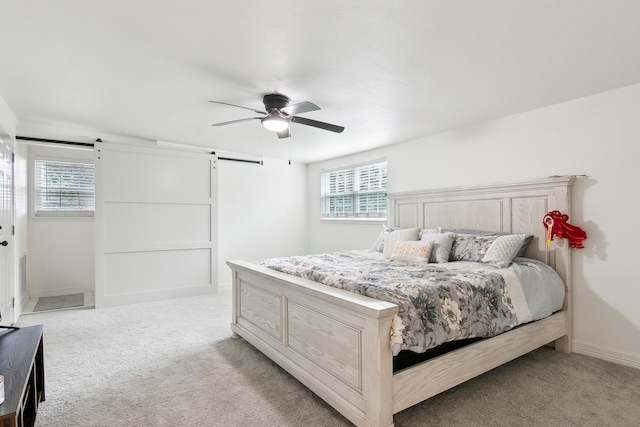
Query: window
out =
(64, 189)
(356, 192)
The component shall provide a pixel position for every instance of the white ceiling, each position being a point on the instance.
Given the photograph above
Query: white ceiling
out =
(389, 71)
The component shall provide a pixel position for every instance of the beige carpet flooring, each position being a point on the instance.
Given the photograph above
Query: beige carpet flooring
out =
(174, 363)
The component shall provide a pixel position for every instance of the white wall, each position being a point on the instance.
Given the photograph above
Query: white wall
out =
(597, 136)
(262, 212)
(61, 251)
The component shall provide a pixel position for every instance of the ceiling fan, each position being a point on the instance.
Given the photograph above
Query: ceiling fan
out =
(279, 114)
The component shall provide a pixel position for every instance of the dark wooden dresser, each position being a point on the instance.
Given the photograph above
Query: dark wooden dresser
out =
(22, 364)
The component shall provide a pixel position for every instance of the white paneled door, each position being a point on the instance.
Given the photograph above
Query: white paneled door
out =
(6, 231)
(156, 224)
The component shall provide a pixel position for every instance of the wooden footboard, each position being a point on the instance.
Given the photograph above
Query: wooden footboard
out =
(335, 342)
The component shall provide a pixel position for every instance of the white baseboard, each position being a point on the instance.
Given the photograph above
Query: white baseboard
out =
(23, 303)
(224, 286)
(112, 300)
(610, 355)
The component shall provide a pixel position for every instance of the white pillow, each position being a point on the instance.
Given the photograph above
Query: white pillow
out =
(379, 243)
(441, 246)
(411, 251)
(395, 236)
(503, 250)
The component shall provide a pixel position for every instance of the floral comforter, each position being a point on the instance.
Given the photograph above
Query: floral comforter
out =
(437, 303)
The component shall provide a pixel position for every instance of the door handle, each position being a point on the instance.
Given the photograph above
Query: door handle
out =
(5, 243)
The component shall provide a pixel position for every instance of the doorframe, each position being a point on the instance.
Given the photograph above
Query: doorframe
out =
(11, 316)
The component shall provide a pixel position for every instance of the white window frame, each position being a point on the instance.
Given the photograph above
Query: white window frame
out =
(85, 191)
(342, 186)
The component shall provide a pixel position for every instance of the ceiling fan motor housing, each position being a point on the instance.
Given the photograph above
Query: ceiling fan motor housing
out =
(275, 101)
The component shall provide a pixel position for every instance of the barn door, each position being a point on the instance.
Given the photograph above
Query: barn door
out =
(156, 224)
(7, 286)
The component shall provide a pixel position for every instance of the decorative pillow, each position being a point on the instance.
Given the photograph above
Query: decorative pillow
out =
(395, 236)
(527, 239)
(379, 243)
(441, 245)
(411, 251)
(467, 247)
(429, 231)
(503, 250)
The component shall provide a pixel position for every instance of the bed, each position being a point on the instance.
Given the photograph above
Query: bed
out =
(338, 343)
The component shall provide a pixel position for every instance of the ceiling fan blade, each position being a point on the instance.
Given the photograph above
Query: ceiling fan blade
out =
(299, 108)
(284, 133)
(236, 121)
(240, 106)
(317, 124)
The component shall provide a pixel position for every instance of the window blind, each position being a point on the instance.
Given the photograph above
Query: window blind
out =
(64, 189)
(356, 192)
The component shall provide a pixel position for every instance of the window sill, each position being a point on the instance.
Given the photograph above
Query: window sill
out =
(354, 220)
(59, 218)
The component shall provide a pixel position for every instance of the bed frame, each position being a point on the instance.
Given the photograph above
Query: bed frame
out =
(337, 343)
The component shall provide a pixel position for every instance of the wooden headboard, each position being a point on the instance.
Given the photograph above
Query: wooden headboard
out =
(515, 208)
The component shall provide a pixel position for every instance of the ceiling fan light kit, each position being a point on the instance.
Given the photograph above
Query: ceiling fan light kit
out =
(275, 123)
(279, 113)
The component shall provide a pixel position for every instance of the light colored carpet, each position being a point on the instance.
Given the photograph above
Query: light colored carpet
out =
(59, 302)
(174, 363)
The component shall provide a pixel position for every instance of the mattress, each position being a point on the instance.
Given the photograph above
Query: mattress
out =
(438, 303)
